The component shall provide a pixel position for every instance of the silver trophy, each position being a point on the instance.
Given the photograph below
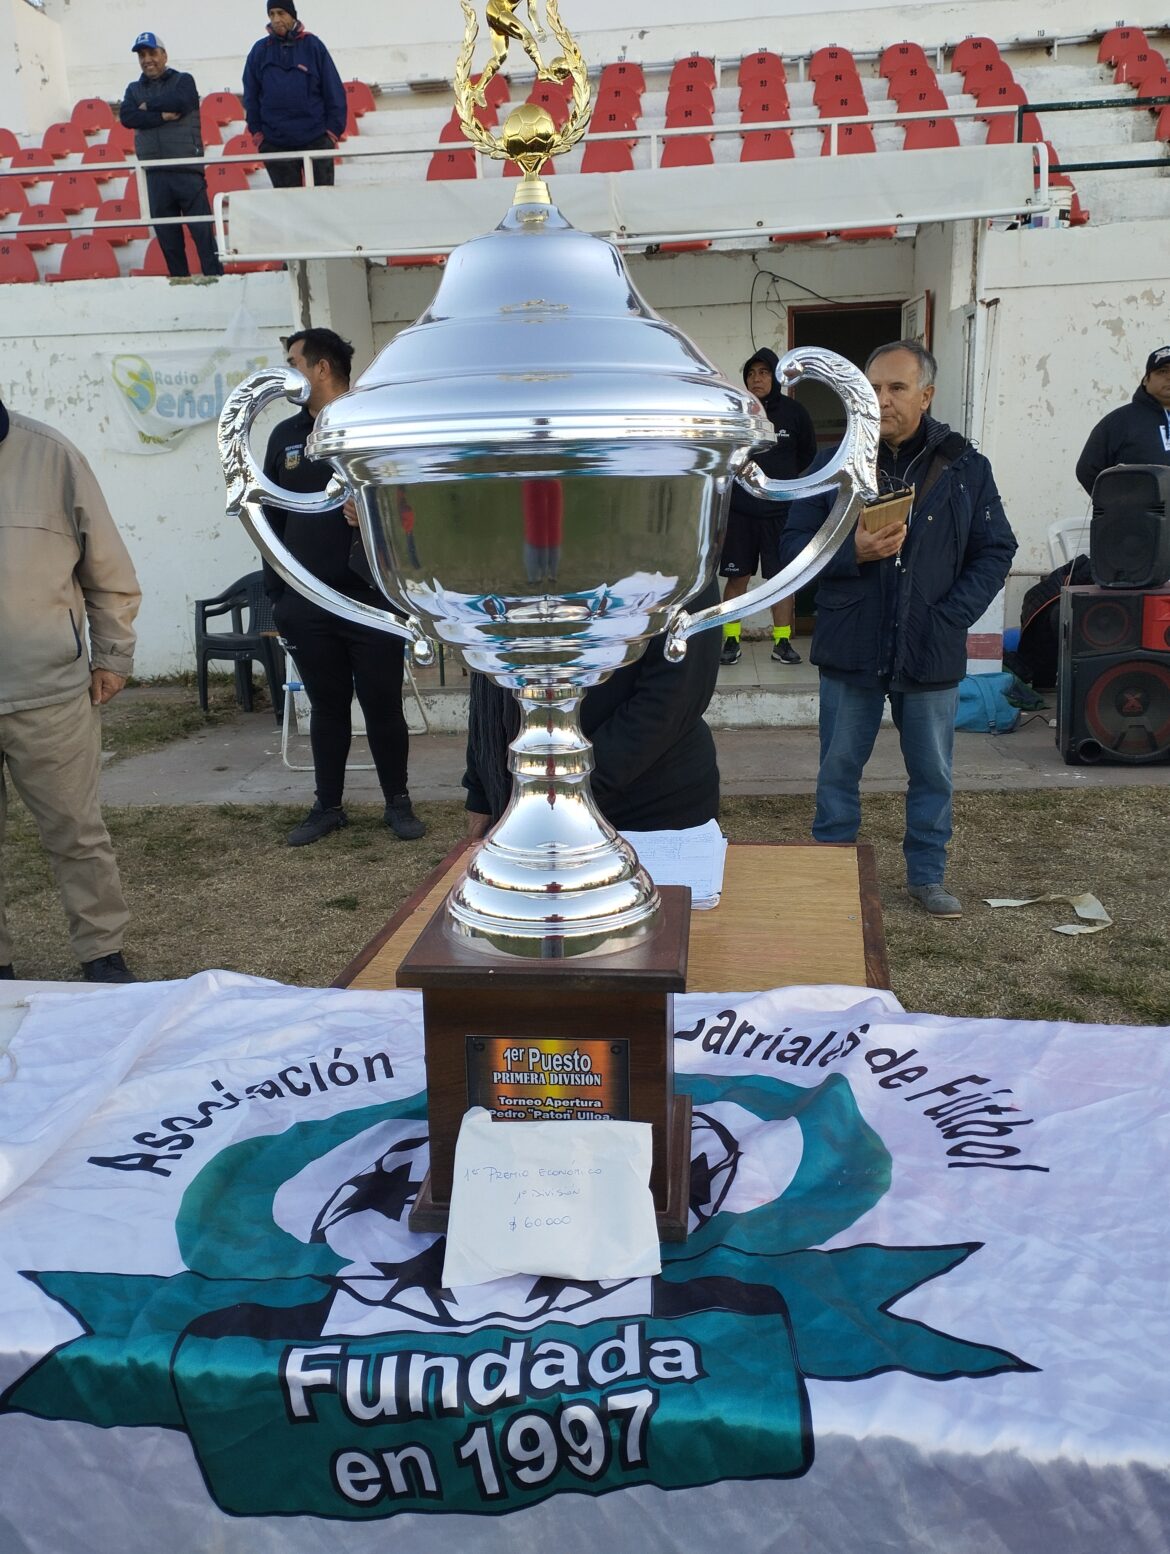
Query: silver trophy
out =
(537, 362)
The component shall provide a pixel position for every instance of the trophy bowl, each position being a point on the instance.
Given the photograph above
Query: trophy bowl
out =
(538, 366)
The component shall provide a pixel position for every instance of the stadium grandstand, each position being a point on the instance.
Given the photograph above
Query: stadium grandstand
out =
(991, 178)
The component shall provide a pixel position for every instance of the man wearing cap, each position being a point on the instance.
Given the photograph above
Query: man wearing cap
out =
(68, 598)
(1137, 433)
(162, 108)
(293, 97)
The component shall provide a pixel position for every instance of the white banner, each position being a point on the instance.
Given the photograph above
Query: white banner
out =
(922, 1304)
(161, 395)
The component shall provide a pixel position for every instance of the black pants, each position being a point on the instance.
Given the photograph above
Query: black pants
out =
(291, 174)
(337, 660)
(174, 191)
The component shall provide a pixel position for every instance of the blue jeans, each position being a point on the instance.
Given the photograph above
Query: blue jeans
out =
(925, 720)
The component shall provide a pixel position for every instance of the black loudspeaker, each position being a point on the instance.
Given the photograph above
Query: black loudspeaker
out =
(1114, 677)
(1129, 536)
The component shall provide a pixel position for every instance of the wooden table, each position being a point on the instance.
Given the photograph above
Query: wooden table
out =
(791, 912)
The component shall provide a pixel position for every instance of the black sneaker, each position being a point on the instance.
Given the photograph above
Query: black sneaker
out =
(730, 652)
(107, 968)
(785, 653)
(316, 824)
(402, 820)
(7, 974)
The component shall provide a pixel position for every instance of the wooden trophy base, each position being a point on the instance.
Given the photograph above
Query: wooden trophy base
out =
(590, 1037)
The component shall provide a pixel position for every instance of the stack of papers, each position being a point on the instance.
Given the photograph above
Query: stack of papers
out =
(692, 857)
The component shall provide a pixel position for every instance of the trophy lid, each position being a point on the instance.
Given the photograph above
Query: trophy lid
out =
(537, 335)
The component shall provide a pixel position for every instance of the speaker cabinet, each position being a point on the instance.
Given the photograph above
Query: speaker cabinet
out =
(1114, 676)
(1129, 535)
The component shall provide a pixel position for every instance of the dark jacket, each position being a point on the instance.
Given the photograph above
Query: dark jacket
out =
(323, 542)
(795, 449)
(904, 621)
(655, 756)
(1137, 433)
(143, 106)
(292, 92)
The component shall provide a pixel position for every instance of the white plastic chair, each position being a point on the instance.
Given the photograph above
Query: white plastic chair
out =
(296, 705)
(1068, 537)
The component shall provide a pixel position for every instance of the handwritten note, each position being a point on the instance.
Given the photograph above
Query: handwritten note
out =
(693, 856)
(567, 1199)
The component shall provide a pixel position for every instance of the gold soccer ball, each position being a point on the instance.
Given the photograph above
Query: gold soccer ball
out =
(529, 128)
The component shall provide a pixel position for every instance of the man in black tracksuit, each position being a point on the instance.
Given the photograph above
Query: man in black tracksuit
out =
(337, 659)
(162, 108)
(754, 524)
(1137, 433)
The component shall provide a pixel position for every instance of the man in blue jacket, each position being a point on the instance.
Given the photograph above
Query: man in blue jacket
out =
(893, 610)
(293, 97)
(162, 108)
(1137, 433)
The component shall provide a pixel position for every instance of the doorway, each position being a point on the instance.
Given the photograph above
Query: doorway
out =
(851, 331)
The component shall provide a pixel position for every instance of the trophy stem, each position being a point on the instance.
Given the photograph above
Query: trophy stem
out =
(553, 878)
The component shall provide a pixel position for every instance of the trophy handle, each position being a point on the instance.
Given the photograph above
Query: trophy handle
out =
(247, 487)
(851, 472)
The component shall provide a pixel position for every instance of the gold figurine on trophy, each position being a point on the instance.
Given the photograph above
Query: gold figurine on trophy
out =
(530, 135)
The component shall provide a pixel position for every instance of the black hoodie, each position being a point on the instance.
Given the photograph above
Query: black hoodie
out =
(795, 449)
(1137, 433)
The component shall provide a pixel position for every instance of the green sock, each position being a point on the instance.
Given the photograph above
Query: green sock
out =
(779, 633)
(732, 631)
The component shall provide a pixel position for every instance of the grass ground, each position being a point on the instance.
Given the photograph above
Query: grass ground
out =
(219, 887)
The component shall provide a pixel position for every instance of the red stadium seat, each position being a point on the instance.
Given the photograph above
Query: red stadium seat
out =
(361, 98)
(64, 139)
(766, 146)
(901, 56)
(243, 144)
(1162, 127)
(687, 151)
(416, 261)
(695, 67)
(612, 118)
(225, 178)
(122, 138)
(623, 75)
(52, 222)
(1118, 42)
(771, 108)
(852, 140)
(96, 158)
(762, 65)
(843, 104)
(986, 74)
(866, 234)
(75, 192)
(32, 164)
(221, 108)
(608, 156)
(692, 245)
(209, 129)
(17, 264)
(1002, 131)
(13, 199)
(87, 259)
(1155, 84)
(833, 82)
(451, 164)
(689, 116)
(972, 50)
(761, 86)
(153, 262)
(825, 61)
(131, 231)
(798, 237)
(129, 196)
(690, 90)
(930, 135)
(552, 99)
(92, 114)
(9, 145)
(926, 99)
(452, 132)
(1078, 216)
(1133, 66)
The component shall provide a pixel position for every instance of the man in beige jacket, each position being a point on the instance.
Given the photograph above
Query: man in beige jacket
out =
(65, 575)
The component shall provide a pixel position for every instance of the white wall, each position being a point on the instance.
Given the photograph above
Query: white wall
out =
(34, 77)
(169, 507)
